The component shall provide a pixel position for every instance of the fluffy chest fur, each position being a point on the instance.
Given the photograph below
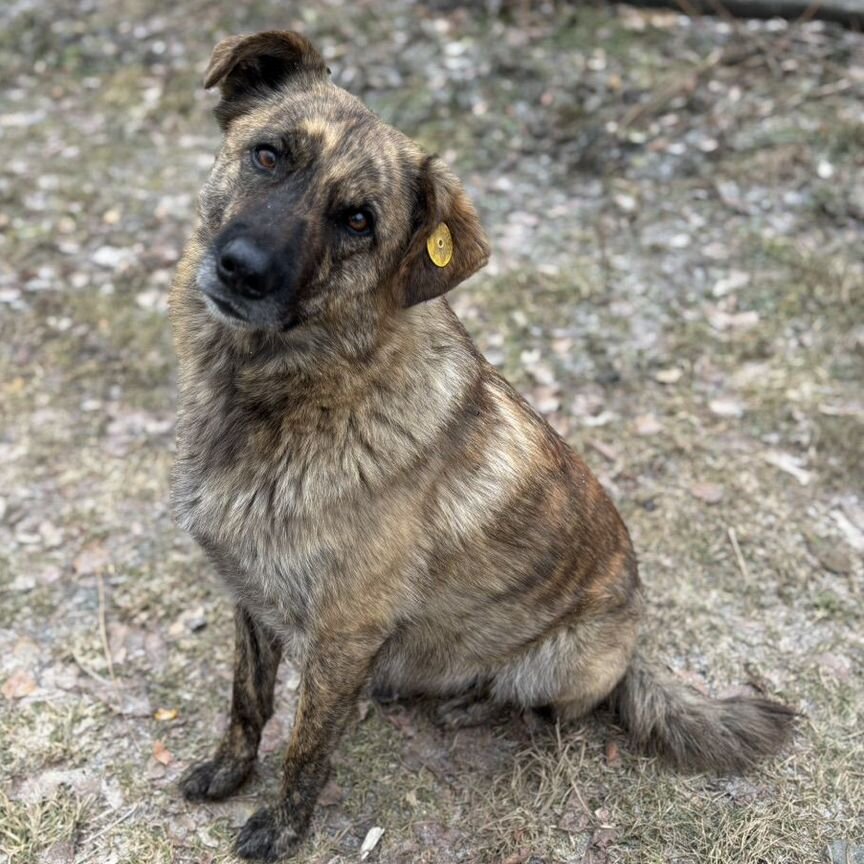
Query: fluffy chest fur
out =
(293, 488)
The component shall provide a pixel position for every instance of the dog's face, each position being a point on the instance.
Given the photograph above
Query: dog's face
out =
(317, 214)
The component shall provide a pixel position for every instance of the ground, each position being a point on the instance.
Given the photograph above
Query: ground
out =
(676, 209)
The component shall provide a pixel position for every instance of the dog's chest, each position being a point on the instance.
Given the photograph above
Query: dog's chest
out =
(273, 511)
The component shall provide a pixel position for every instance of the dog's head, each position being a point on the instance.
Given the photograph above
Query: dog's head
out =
(316, 211)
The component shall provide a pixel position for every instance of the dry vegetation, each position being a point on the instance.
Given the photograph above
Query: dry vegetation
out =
(677, 213)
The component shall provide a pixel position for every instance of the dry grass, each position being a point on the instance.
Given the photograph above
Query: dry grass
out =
(28, 831)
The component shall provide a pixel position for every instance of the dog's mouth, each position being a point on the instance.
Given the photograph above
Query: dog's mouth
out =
(225, 307)
(265, 314)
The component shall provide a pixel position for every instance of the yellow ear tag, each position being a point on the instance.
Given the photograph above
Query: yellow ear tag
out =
(440, 246)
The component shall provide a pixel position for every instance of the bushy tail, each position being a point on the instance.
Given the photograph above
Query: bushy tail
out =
(692, 732)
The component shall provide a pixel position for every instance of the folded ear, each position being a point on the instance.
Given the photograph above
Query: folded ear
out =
(449, 243)
(248, 67)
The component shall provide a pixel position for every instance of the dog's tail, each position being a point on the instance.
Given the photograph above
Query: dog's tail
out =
(692, 732)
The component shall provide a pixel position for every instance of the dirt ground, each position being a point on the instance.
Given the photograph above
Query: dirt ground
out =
(677, 215)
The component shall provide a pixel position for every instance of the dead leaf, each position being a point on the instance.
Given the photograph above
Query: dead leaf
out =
(61, 852)
(546, 399)
(694, 679)
(118, 633)
(162, 754)
(831, 555)
(574, 819)
(402, 721)
(710, 493)
(607, 452)
(19, 685)
(93, 558)
(373, 835)
(44, 784)
(647, 424)
(166, 714)
(836, 665)
(331, 794)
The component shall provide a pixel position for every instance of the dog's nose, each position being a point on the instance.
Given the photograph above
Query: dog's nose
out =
(244, 268)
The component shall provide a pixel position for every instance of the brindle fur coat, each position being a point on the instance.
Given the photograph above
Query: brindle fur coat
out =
(378, 499)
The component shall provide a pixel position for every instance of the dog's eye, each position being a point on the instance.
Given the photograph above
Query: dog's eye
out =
(265, 158)
(359, 222)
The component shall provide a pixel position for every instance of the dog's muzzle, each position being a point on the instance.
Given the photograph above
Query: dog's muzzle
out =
(246, 269)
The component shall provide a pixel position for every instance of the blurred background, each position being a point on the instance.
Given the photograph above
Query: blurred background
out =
(676, 207)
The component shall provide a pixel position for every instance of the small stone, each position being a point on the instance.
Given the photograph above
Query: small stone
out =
(23, 582)
(844, 852)
(626, 203)
(668, 376)
(710, 493)
(733, 282)
(647, 424)
(110, 257)
(52, 536)
(726, 408)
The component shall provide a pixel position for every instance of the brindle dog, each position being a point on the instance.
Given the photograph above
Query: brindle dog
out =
(377, 497)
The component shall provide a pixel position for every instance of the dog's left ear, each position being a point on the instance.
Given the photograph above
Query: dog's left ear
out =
(248, 67)
(448, 244)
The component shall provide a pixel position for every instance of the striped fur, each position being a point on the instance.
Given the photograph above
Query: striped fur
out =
(381, 503)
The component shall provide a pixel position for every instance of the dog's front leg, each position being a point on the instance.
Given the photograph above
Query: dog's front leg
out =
(337, 665)
(256, 660)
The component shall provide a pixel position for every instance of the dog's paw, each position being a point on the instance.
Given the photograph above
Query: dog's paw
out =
(384, 694)
(268, 836)
(215, 779)
(465, 711)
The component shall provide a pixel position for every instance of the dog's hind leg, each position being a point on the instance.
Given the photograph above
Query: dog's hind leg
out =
(572, 670)
(256, 660)
(474, 707)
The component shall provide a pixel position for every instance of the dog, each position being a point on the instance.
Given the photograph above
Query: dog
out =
(380, 502)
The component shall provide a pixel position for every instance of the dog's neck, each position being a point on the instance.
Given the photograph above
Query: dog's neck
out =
(304, 365)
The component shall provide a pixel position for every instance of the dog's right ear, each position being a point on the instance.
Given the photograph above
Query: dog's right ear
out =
(249, 67)
(448, 243)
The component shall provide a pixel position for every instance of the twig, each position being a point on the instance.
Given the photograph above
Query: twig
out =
(742, 564)
(828, 10)
(103, 631)
(104, 830)
(667, 94)
(88, 671)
